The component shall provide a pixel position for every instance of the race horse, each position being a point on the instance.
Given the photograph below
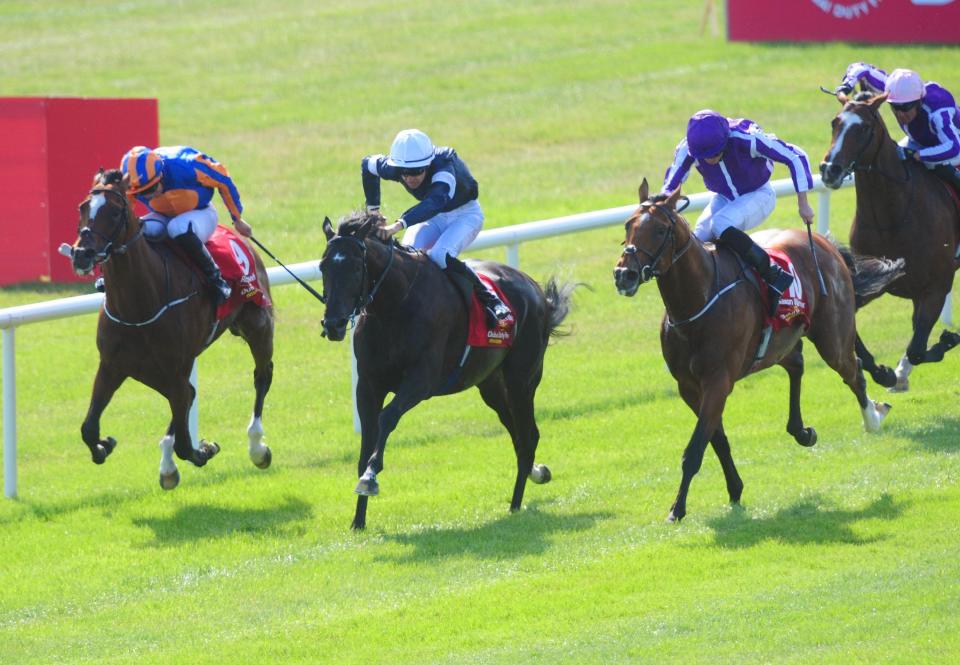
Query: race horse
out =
(157, 317)
(714, 323)
(903, 211)
(411, 339)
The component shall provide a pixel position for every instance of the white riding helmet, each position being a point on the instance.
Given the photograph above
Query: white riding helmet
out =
(412, 149)
(904, 86)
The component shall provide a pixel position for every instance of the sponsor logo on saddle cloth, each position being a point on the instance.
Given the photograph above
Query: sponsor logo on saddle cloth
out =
(238, 268)
(477, 333)
(794, 307)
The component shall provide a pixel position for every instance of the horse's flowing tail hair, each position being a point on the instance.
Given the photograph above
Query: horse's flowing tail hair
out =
(871, 275)
(558, 306)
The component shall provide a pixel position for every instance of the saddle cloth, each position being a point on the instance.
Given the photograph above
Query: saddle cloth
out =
(239, 270)
(794, 306)
(478, 334)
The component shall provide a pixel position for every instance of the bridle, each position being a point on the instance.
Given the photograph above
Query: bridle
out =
(110, 247)
(649, 271)
(362, 301)
(855, 166)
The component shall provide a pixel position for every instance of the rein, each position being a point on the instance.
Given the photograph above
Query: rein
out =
(109, 249)
(649, 271)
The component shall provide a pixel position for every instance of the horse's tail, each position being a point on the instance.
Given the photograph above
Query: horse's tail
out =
(871, 275)
(559, 298)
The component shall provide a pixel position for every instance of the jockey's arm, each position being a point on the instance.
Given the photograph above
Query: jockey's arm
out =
(804, 208)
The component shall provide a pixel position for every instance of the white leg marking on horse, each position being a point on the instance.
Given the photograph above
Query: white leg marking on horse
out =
(255, 434)
(167, 465)
(871, 417)
(904, 367)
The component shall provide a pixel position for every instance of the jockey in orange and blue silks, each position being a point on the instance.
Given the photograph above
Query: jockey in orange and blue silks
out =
(448, 216)
(177, 183)
(926, 112)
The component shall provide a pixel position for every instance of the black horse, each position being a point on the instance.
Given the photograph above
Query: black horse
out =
(411, 340)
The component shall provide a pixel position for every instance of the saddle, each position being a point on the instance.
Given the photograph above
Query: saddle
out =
(478, 333)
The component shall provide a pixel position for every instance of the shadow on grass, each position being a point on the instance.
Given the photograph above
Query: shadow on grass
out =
(939, 436)
(805, 522)
(199, 521)
(508, 537)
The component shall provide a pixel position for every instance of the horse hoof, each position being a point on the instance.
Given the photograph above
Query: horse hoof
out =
(540, 474)
(902, 386)
(209, 448)
(170, 481)
(807, 437)
(102, 450)
(367, 487)
(672, 518)
(358, 526)
(264, 462)
(949, 339)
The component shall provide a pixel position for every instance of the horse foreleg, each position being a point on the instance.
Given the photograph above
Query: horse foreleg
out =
(259, 452)
(709, 415)
(105, 384)
(721, 446)
(180, 398)
(369, 404)
(169, 474)
(793, 363)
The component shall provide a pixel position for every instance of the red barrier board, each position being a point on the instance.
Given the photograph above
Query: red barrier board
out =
(52, 147)
(865, 21)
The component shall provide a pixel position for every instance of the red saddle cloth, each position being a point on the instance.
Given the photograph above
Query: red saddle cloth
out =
(478, 334)
(239, 270)
(794, 305)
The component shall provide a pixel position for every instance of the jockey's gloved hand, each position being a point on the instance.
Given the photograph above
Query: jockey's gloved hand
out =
(906, 153)
(844, 87)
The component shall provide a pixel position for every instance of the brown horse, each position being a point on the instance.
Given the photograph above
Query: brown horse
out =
(157, 317)
(713, 323)
(411, 340)
(903, 211)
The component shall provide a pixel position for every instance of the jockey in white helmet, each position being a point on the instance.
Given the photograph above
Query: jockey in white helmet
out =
(448, 216)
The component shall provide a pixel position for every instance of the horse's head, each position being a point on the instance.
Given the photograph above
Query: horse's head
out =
(346, 281)
(858, 132)
(106, 222)
(654, 233)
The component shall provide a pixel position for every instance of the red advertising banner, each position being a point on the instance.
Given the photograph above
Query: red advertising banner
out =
(52, 147)
(866, 21)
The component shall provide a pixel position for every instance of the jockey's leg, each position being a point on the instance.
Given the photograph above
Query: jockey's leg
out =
(949, 174)
(493, 307)
(190, 231)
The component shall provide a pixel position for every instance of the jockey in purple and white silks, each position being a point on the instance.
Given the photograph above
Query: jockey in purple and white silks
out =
(735, 158)
(926, 112)
(448, 216)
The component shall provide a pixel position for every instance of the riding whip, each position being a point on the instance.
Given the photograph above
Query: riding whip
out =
(300, 281)
(816, 261)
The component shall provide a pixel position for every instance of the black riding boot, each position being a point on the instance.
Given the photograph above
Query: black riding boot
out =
(198, 253)
(777, 279)
(949, 174)
(492, 305)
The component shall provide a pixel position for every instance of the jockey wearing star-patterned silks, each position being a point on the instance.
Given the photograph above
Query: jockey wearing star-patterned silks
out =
(735, 158)
(926, 112)
(177, 184)
(448, 216)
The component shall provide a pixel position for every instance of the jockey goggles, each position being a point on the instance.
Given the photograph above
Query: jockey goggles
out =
(420, 170)
(906, 106)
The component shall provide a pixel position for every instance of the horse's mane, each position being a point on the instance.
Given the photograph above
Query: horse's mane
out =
(864, 96)
(659, 198)
(361, 225)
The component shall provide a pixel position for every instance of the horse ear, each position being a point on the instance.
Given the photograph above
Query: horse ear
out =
(671, 199)
(875, 102)
(644, 190)
(328, 229)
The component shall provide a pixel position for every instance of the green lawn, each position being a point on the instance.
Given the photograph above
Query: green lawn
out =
(845, 552)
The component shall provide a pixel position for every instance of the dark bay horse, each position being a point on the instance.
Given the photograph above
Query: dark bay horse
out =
(713, 323)
(157, 317)
(410, 339)
(903, 211)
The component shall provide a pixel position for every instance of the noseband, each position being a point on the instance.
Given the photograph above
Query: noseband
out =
(361, 302)
(649, 271)
(110, 248)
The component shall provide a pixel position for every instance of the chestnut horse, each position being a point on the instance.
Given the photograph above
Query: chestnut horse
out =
(903, 211)
(411, 340)
(713, 323)
(157, 317)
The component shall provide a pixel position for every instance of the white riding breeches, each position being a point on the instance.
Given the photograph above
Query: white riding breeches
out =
(446, 232)
(744, 213)
(203, 221)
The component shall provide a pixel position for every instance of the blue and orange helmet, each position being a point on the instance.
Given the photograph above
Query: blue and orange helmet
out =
(143, 167)
(707, 134)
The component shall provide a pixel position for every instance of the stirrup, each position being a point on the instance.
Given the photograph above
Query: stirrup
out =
(221, 291)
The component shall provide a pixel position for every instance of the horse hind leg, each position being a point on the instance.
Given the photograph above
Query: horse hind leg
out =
(881, 374)
(256, 328)
(842, 358)
(105, 384)
(793, 363)
(925, 313)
